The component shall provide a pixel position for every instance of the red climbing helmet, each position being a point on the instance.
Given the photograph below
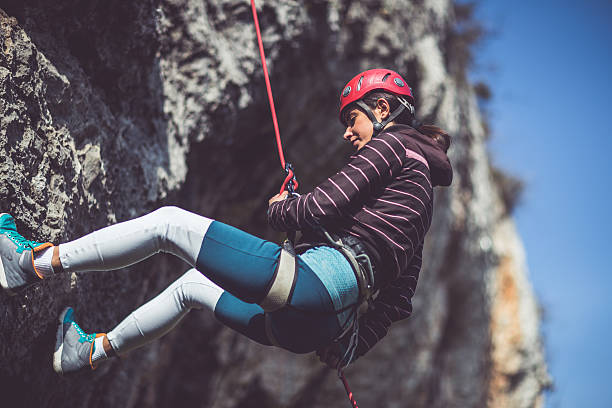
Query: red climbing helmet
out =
(383, 79)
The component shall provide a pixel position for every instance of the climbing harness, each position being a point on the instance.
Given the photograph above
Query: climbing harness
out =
(286, 272)
(282, 283)
(354, 252)
(360, 262)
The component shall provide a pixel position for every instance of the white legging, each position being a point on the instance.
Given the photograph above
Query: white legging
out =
(168, 229)
(158, 316)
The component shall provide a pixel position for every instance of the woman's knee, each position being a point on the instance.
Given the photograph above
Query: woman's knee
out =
(179, 231)
(193, 275)
(167, 213)
(194, 290)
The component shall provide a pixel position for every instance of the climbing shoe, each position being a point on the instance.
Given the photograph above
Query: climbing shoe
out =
(17, 256)
(73, 347)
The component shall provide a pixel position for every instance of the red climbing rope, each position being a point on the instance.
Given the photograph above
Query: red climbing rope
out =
(290, 182)
(349, 393)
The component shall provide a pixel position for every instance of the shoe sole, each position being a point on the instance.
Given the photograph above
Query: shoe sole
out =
(3, 280)
(59, 344)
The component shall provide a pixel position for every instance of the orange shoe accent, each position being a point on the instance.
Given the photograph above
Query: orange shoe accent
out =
(38, 249)
(93, 367)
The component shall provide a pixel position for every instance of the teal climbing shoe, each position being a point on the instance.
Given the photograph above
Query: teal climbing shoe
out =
(17, 256)
(73, 347)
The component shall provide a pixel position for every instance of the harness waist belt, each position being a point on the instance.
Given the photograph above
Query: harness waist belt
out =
(357, 250)
(355, 253)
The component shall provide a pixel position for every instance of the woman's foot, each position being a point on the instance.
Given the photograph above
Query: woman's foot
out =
(17, 256)
(73, 347)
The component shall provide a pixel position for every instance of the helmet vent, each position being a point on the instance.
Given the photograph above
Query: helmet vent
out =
(385, 77)
(359, 83)
(399, 82)
(346, 91)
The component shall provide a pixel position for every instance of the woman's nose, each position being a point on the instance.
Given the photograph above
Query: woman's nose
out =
(348, 133)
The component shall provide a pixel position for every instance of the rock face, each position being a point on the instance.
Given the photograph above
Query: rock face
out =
(109, 109)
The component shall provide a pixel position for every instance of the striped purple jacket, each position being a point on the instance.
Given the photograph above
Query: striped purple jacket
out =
(383, 196)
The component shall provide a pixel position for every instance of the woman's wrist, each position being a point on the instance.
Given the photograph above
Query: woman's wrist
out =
(278, 197)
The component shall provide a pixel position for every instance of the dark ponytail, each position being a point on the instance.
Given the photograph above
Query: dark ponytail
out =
(439, 136)
(442, 139)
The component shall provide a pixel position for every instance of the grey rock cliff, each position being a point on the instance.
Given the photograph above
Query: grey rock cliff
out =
(109, 109)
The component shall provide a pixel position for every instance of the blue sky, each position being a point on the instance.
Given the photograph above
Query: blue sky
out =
(549, 64)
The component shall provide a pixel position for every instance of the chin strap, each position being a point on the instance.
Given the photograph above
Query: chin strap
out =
(378, 126)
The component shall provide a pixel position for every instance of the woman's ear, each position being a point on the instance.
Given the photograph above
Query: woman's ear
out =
(382, 105)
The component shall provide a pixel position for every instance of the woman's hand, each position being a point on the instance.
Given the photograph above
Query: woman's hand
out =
(330, 355)
(279, 197)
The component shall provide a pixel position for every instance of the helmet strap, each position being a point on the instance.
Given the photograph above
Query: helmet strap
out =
(379, 126)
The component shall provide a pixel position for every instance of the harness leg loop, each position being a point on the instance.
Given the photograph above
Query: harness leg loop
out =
(282, 283)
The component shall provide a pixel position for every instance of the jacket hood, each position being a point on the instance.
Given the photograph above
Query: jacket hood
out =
(439, 165)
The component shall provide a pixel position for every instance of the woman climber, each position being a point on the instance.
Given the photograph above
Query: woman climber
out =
(356, 266)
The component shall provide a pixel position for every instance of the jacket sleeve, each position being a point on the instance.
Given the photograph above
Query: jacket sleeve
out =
(371, 168)
(394, 303)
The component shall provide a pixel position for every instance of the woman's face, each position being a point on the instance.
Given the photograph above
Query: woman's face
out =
(359, 128)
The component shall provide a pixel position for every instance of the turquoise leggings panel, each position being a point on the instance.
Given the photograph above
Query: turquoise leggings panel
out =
(243, 265)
